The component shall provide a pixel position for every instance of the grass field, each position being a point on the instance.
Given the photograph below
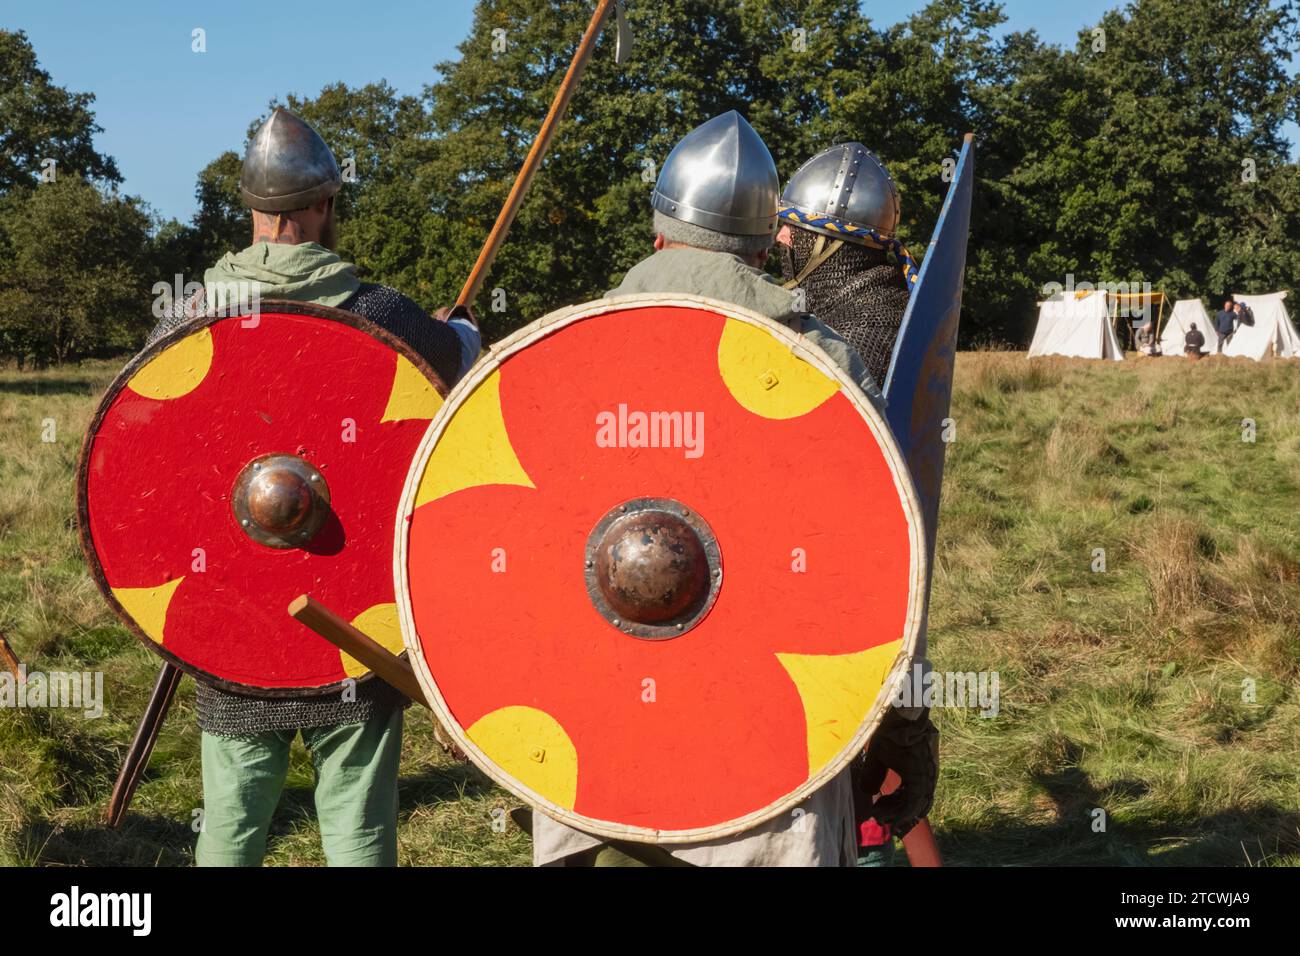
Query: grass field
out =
(1163, 691)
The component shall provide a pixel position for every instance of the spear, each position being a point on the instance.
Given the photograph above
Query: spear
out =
(137, 755)
(477, 275)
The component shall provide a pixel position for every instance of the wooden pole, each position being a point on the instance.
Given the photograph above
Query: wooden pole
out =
(146, 735)
(348, 639)
(10, 659)
(497, 236)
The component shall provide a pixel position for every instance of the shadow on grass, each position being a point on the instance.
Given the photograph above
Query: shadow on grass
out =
(444, 784)
(1133, 836)
(152, 840)
(1231, 837)
(52, 386)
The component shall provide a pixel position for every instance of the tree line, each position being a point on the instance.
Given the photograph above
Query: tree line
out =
(1152, 150)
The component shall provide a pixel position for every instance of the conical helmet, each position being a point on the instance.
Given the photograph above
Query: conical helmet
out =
(844, 192)
(721, 177)
(287, 166)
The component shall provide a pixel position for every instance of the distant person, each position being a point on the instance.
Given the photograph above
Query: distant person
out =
(1225, 323)
(1245, 314)
(1193, 342)
(1146, 339)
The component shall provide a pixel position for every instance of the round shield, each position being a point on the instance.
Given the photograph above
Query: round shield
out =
(659, 567)
(241, 461)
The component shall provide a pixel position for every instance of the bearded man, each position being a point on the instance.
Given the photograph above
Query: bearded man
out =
(289, 181)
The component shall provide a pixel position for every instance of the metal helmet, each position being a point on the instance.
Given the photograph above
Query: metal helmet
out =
(844, 192)
(287, 166)
(721, 177)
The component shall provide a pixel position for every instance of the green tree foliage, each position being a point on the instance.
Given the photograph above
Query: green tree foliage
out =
(1152, 150)
(74, 279)
(221, 224)
(380, 139)
(586, 218)
(40, 121)
(1190, 167)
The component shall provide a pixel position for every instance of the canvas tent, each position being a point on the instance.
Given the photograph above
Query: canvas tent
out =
(1272, 334)
(1187, 311)
(1135, 310)
(1075, 324)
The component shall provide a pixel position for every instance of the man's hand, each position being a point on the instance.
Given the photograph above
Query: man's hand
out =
(447, 313)
(910, 748)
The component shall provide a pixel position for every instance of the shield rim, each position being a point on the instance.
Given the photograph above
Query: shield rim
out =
(138, 361)
(876, 421)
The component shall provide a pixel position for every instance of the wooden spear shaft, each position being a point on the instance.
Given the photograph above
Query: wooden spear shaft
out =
(348, 639)
(146, 735)
(497, 236)
(377, 658)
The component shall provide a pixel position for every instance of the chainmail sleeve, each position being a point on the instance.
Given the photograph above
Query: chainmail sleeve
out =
(858, 292)
(434, 341)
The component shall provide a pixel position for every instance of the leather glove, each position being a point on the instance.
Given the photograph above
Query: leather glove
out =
(910, 748)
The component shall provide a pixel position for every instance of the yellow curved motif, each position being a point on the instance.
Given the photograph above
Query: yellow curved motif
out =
(837, 692)
(379, 623)
(764, 376)
(148, 606)
(532, 747)
(474, 449)
(412, 395)
(176, 370)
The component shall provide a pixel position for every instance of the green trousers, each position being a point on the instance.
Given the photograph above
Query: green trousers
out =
(356, 792)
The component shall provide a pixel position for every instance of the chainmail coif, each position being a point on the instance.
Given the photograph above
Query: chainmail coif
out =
(858, 292)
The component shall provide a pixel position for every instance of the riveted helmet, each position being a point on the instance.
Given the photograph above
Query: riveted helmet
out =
(844, 192)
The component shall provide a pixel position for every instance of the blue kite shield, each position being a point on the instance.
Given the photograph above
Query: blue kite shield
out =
(918, 385)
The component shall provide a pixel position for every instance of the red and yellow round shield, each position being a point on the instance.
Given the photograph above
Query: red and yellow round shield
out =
(242, 461)
(659, 567)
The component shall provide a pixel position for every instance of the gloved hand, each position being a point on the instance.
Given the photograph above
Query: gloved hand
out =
(910, 748)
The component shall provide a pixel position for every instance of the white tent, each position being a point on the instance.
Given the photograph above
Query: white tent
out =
(1272, 334)
(1187, 311)
(1075, 324)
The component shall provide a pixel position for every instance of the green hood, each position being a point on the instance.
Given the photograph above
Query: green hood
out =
(305, 273)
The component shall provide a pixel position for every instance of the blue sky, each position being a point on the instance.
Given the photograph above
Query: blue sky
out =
(167, 111)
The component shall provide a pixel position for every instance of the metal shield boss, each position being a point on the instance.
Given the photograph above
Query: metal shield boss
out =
(621, 592)
(239, 462)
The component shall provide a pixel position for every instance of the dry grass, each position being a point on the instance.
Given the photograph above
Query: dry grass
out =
(1164, 690)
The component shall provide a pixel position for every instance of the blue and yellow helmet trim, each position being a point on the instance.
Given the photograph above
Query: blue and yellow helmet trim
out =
(854, 233)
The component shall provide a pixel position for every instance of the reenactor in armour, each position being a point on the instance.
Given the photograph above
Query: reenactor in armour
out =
(840, 251)
(839, 247)
(289, 181)
(714, 224)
